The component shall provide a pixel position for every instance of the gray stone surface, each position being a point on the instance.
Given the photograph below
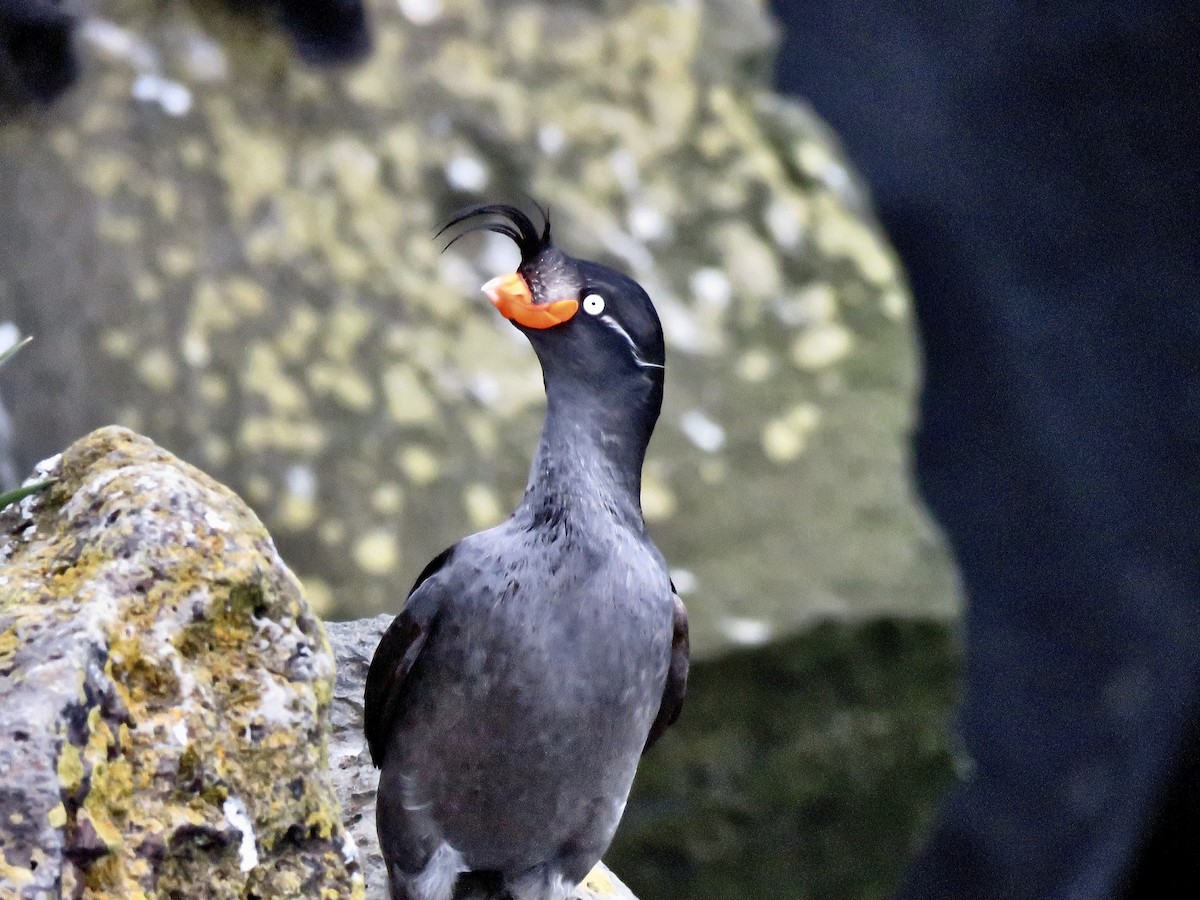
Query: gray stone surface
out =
(233, 254)
(164, 689)
(354, 777)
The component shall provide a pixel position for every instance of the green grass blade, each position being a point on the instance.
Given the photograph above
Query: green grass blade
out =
(22, 492)
(8, 354)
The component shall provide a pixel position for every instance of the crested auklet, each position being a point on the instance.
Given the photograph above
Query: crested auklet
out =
(533, 663)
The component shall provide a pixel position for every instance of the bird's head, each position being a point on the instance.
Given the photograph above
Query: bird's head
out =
(593, 328)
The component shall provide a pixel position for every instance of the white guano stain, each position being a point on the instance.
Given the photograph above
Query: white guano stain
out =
(235, 815)
(420, 12)
(746, 631)
(215, 522)
(173, 98)
(702, 431)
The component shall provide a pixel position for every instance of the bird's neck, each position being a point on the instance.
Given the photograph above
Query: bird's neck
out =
(590, 457)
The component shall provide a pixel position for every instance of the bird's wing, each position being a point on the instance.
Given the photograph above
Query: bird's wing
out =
(677, 673)
(394, 658)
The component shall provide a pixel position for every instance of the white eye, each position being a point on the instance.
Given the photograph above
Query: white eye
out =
(593, 304)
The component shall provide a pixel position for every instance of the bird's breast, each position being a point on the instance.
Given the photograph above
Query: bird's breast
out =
(535, 697)
(561, 628)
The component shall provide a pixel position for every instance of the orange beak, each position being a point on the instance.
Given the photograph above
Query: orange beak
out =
(511, 295)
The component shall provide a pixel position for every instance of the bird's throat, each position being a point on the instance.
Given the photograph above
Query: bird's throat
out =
(591, 454)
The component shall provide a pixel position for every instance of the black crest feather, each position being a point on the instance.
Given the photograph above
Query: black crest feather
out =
(507, 220)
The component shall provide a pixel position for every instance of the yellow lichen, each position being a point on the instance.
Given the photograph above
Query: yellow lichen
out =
(376, 552)
(295, 513)
(70, 768)
(387, 499)
(821, 346)
(418, 464)
(9, 642)
(319, 594)
(755, 365)
(205, 714)
(345, 385)
(263, 374)
(408, 402)
(483, 506)
(346, 328)
(95, 815)
(17, 876)
(177, 260)
(119, 229)
(157, 369)
(260, 434)
(247, 298)
(784, 438)
(254, 161)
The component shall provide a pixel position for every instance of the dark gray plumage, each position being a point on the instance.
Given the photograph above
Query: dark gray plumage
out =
(509, 702)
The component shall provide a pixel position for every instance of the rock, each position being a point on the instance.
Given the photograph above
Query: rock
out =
(243, 267)
(807, 768)
(164, 689)
(354, 777)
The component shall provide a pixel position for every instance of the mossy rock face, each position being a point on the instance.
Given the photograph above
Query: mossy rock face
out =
(234, 254)
(806, 770)
(164, 692)
(355, 778)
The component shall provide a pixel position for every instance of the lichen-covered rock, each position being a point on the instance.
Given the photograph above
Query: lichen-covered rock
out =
(234, 254)
(354, 777)
(164, 690)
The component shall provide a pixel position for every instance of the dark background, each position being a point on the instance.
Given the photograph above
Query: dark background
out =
(1036, 166)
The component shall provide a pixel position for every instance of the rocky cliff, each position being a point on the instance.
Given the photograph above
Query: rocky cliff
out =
(233, 254)
(164, 692)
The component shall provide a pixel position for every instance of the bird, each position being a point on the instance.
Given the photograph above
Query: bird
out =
(508, 704)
